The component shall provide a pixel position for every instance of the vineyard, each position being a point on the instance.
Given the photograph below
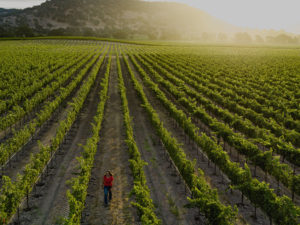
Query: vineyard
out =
(193, 134)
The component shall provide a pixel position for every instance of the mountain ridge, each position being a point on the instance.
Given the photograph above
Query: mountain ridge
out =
(4, 11)
(113, 18)
(130, 19)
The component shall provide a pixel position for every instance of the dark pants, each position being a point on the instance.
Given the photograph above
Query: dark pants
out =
(107, 191)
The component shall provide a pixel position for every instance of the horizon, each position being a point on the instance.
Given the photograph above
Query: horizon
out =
(236, 12)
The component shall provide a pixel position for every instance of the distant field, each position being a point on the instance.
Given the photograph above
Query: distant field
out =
(193, 133)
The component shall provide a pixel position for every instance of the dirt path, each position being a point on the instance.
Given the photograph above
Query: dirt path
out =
(49, 202)
(246, 210)
(167, 193)
(111, 155)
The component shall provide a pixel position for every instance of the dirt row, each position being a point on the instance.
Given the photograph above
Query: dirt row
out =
(112, 155)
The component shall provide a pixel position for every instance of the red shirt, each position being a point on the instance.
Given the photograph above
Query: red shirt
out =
(107, 181)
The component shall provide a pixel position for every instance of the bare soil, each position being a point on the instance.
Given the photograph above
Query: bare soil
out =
(112, 155)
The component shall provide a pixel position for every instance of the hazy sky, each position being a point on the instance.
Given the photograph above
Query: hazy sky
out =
(19, 4)
(276, 14)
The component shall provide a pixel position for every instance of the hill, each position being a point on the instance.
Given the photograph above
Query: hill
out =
(4, 12)
(112, 18)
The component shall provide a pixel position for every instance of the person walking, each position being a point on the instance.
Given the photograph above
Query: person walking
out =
(107, 186)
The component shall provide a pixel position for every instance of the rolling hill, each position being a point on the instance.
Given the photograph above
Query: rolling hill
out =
(111, 18)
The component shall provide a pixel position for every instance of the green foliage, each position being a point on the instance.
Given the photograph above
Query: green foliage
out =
(265, 160)
(207, 198)
(59, 77)
(258, 193)
(254, 110)
(13, 193)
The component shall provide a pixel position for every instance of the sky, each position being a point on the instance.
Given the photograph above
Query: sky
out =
(262, 14)
(19, 4)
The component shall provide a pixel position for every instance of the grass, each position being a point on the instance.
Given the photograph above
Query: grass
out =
(59, 220)
(173, 207)
(62, 171)
(147, 146)
(153, 161)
